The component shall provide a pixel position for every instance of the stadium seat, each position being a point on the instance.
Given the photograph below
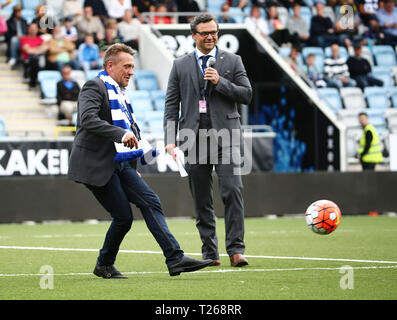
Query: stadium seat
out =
(393, 96)
(79, 77)
(350, 117)
(366, 53)
(49, 75)
(138, 94)
(157, 94)
(318, 52)
(285, 51)
(377, 97)
(353, 98)
(155, 120)
(384, 74)
(141, 106)
(384, 55)
(331, 97)
(91, 74)
(7, 10)
(3, 131)
(214, 5)
(283, 15)
(236, 13)
(31, 4)
(48, 89)
(146, 84)
(144, 73)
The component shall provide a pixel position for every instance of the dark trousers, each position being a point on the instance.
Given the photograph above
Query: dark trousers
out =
(125, 187)
(368, 166)
(32, 68)
(230, 189)
(367, 81)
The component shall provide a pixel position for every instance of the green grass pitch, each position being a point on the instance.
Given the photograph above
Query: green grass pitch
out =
(287, 261)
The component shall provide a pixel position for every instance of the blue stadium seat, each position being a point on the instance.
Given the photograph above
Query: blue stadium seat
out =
(284, 52)
(141, 106)
(155, 120)
(48, 88)
(159, 104)
(331, 97)
(157, 94)
(384, 55)
(143, 73)
(237, 17)
(385, 76)
(31, 4)
(377, 97)
(49, 75)
(214, 5)
(149, 84)
(91, 74)
(319, 54)
(3, 131)
(138, 94)
(7, 10)
(393, 96)
(306, 14)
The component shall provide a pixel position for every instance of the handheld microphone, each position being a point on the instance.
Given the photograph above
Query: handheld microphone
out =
(210, 63)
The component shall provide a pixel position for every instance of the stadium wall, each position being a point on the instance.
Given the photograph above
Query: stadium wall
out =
(39, 199)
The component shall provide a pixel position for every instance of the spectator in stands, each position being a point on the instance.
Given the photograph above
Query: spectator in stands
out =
(67, 94)
(293, 61)
(322, 32)
(141, 6)
(89, 54)
(32, 47)
(387, 18)
(238, 3)
(44, 20)
(110, 37)
(297, 26)
(116, 8)
(161, 8)
(187, 6)
(360, 69)
(276, 29)
(72, 8)
(256, 22)
(313, 73)
(60, 51)
(128, 29)
(17, 27)
(98, 8)
(336, 71)
(370, 152)
(69, 31)
(225, 17)
(367, 10)
(90, 24)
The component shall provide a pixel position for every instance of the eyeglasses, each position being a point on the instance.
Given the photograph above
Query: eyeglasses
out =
(205, 34)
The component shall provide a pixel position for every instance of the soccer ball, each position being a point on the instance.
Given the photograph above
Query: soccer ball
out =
(323, 216)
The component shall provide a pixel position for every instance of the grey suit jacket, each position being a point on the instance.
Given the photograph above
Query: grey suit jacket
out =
(183, 92)
(91, 160)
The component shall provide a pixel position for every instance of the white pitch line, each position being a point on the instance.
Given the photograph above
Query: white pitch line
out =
(199, 254)
(196, 272)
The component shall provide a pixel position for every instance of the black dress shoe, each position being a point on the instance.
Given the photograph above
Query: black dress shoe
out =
(108, 272)
(187, 264)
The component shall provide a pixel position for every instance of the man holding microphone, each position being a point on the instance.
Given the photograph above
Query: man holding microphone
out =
(207, 97)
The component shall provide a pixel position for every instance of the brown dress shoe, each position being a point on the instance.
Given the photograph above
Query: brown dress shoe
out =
(238, 260)
(215, 263)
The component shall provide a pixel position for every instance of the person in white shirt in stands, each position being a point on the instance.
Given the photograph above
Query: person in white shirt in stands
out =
(257, 22)
(128, 29)
(116, 8)
(336, 71)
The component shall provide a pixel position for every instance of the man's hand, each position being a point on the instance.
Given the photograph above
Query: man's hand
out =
(130, 141)
(212, 75)
(170, 149)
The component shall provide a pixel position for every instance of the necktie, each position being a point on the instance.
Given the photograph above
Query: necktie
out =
(204, 60)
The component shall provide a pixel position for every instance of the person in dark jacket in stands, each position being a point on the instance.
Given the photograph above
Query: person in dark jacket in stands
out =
(322, 31)
(67, 94)
(360, 69)
(17, 27)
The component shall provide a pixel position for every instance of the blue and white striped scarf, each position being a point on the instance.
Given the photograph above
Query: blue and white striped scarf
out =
(123, 117)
